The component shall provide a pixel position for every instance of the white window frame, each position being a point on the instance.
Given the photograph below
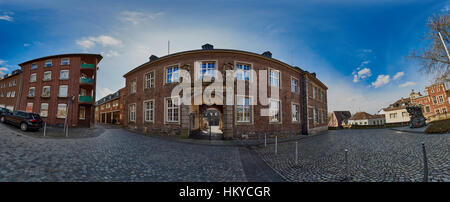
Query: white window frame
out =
(47, 62)
(35, 78)
(63, 59)
(152, 110)
(244, 107)
(133, 90)
(298, 112)
(132, 113)
(166, 74)
(13, 93)
(57, 110)
(279, 111)
(248, 72)
(34, 91)
(29, 104)
(40, 110)
(209, 72)
(60, 74)
(47, 73)
(43, 89)
(59, 90)
(297, 89)
(166, 110)
(270, 77)
(34, 65)
(150, 81)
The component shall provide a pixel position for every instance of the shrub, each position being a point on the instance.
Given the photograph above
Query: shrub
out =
(441, 126)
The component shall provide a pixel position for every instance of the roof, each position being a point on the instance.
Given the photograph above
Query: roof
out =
(365, 115)
(112, 96)
(166, 57)
(63, 55)
(399, 104)
(342, 115)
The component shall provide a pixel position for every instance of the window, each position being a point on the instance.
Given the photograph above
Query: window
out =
(243, 109)
(437, 111)
(316, 116)
(65, 61)
(148, 111)
(149, 80)
(14, 82)
(245, 74)
(438, 89)
(441, 99)
(115, 103)
(207, 69)
(46, 91)
(274, 78)
(102, 107)
(108, 105)
(82, 114)
(172, 74)
(444, 110)
(434, 100)
(13, 93)
(44, 110)
(29, 107)
(403, 114)
(132, 117)
(47, 76)
(314, 92)
(432, 91)
(48, 63)
(34, 66)
(172, 110)
(31, 91)
(8, 94)
(133, 86)
(64, 75)
(274, 111)
(294, 85)
(393, 115)
(427, 109)
(33, 77)
(63, 91)
(61, 112)
(295, 113)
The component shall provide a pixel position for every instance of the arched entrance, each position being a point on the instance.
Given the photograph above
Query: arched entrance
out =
(206, 119)
(211, 121)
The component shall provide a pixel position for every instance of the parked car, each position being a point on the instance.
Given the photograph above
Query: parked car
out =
(3, 111)
(25, 120)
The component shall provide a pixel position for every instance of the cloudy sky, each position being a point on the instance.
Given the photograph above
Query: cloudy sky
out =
(357, 48)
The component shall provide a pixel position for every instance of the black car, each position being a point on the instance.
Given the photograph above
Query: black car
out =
(24, 120)
(3, 111)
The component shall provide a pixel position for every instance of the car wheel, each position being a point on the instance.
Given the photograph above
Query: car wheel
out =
(2, 119)
(23, 126)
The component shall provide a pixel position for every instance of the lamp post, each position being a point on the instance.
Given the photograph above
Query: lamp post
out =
(66, 126)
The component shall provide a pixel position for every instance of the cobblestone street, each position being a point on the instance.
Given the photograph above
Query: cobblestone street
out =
(373, 155)
(116, 155)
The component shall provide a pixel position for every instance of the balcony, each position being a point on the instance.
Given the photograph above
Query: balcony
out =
(86, 82)
(85, 99)
(87, 66)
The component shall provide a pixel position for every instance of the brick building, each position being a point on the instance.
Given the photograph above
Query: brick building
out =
(10, 90)
(50, 83)
(435, 101)
(301, 108)
(110, 108)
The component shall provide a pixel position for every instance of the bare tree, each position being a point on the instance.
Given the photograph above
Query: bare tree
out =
(434, 59)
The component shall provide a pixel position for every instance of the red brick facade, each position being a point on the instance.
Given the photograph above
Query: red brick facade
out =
(110, 109)
(435, 102)
(74, 72)
(191, 116)
(10, 90)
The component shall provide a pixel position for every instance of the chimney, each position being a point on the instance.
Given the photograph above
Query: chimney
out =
(267, 54)
(313, 74)
(207, 47)
(153, 58)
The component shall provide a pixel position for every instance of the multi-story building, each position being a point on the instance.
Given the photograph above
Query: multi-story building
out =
(10, 90)
(435, 102)
(149, 105)
(110, 108)
(396, 112)
(61, 85)
(366, 119)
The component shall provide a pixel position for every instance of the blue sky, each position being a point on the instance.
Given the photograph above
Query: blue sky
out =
(357, 48)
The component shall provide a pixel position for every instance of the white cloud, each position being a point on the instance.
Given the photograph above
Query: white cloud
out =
(409, 83)
(3, 70)
(398, 75)
(362, 72)
(102, 92)
(135, 17)
(6, 17)
(103, 40)
(110, 53)
(2, 61)
(381, 80)
(26, 44)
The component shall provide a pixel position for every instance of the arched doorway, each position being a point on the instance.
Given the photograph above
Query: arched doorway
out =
(211, 120)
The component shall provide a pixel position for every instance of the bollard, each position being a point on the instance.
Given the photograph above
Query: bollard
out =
(296, 152)
(276, 145)
(425, 163)
(346, 165)
(45, 127)
(265, 140)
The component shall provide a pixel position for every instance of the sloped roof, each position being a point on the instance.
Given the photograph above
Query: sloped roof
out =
(342, 115)
(365, 115)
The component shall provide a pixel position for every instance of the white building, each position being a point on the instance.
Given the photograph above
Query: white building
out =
(366, 119)
(396, 113)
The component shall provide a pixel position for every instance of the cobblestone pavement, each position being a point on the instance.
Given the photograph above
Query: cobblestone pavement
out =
(373, 155)
(115, 155)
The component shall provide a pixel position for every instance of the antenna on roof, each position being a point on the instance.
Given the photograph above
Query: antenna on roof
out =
(168, 47)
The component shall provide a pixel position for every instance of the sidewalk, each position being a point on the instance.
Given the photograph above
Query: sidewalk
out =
(58, 133)
(411, 130)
